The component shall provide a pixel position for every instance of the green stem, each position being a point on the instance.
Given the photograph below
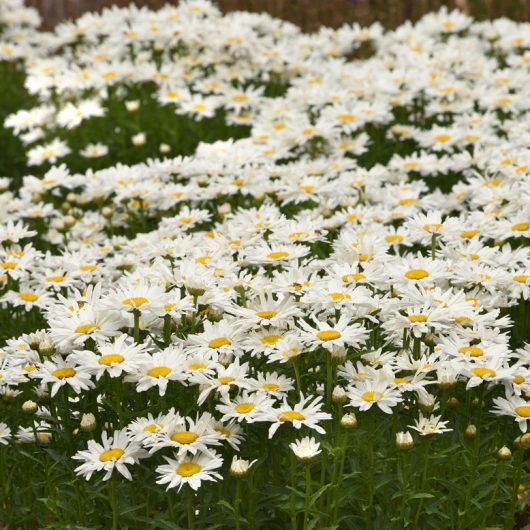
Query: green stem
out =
(113, 501)
(237, 502)
(189, 508)
(307, 494)
(136, 314)
(423, 478)
(433, 246)
(404, 485)
(518, 465)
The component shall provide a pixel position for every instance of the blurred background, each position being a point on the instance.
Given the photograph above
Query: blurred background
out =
(311, 14)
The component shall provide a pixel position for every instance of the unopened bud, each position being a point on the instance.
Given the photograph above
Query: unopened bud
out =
(426, 402)
(164, 148)
(404, 441)
(348, 421)
(46, 347)
(224, 209)
(239, 467)
(88, 422)
(430, 339)
(29, 407)
(338, 354)
(453, 402)
(338, 395)
(132, 106)
(471, 431)
(504, 453)
(139, 139)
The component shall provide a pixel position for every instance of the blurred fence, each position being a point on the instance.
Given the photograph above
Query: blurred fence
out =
(310, 14)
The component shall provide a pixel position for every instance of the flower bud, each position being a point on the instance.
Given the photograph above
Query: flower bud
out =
(240, 467)
(338, 395)
(348, 421)
(29, 407)
(504, 453)
(523, 441)
(471, 431)
(453, 402)
(305, 449)
(164, 148)
(46, 347)
(426, 401)
(139, 139)
(88, 422)
(224, 209)
(132, 106)
(430, 339)
(338, 354)
(404, 441)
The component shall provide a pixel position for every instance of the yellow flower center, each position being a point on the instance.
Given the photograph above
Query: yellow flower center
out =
(461, 320)
(371, 396)
(88, 268)
(266, 315)
(339, 296)
(219, 342)
(111, 454)
(518, 379)
(153, 427)
(523, 411)
(433, 227)
(520, 227)
(85, 329)
(9, 265)
(417, 318)
(468, 234)
(55, 279)
(244, 408)
(483, 372)
(353, 277)
(28, 297)
(329, 335)
(63, 373)
(277, 255)
(442, 138)
(159, 371)
(290, 415)
(521, 278)
(474, 351)
(270, 387)
(394, 238)
(225, 379)
(136, 301)
(416, 274)
(270, 340)
(111, 358)
(188, 469)
(184, 437)
(197, 366)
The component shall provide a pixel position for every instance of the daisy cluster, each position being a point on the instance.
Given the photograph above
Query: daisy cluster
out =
(363, 247)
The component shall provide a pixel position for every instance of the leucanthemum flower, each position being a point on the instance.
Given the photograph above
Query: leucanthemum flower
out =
(328, 336)
(305, 449)
(114, 452)
(60, 372)
(431, 425)
(157, 371)
(307, 412)
(514, 406)
(112, 358)
(191, 470)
